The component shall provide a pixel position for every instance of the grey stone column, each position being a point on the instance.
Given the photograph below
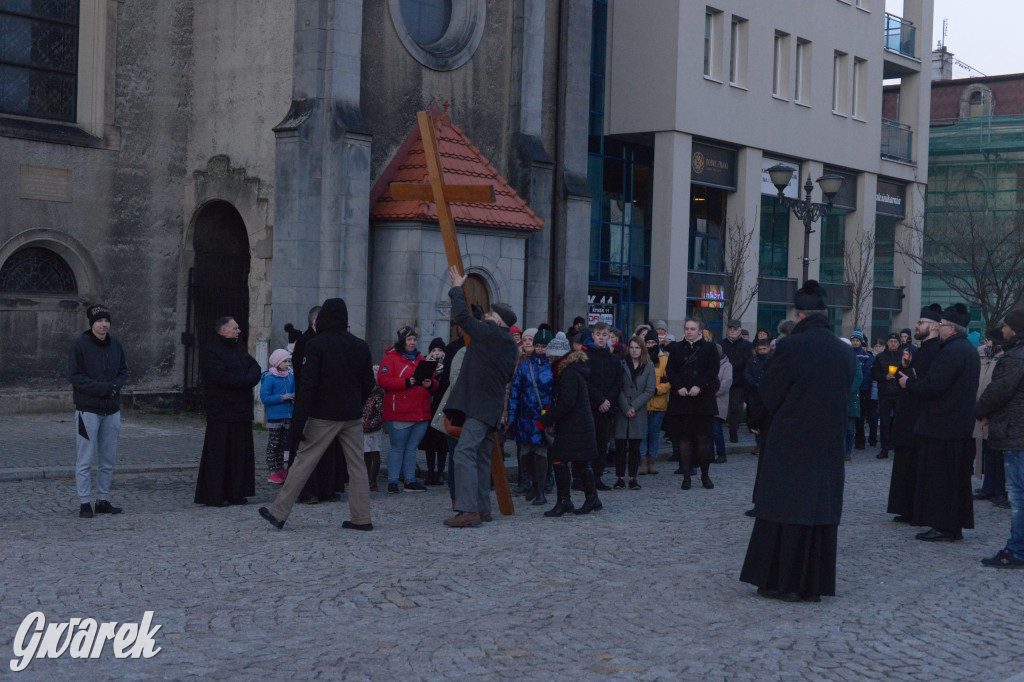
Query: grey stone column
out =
(322, 173)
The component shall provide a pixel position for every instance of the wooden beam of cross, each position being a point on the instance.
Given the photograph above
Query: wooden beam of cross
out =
(441, 194)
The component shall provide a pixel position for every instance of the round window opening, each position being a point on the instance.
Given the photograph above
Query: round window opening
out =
(440, 34)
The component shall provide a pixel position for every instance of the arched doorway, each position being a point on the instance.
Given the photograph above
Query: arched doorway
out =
(218, 285)
(477, 293)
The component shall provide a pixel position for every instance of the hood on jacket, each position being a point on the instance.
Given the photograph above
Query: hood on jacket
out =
(333, 315)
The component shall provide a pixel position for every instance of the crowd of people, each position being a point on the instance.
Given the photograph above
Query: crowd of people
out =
(577, 401)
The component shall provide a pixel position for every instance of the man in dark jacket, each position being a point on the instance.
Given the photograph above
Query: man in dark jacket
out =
(1002, 407)
(739, 351)
(605, 384)
(945, 429)
(752, 375)
(298, 353)
(903, 481)
(479, 395)
(868, 407)
(227, 468)
(335, 380)
(799, 496)
(883, 370)
(98, 370)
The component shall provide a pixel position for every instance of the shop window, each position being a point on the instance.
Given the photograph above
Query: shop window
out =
(35, 270)
(773, 260)
(833, 247)
(707, 229)
(885, 250)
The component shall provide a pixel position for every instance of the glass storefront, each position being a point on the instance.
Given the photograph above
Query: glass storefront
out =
(885, 249)
(833, 247)
(773, 255)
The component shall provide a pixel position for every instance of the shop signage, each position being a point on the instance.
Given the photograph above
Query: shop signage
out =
(711, 296)
(890, 198)
(792, 190)
(713, 166)
(601, 308)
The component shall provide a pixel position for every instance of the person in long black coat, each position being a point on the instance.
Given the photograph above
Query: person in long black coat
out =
(942, 497)
(692, 373)
(904, 456)
(799, 496)
(575, 441)
(227, 470)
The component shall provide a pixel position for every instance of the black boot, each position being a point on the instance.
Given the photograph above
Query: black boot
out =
(592, 501)
(526, 463)
(685, 457)
(540, 476)
(563, 506)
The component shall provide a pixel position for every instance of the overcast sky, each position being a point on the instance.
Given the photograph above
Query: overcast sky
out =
(986, 34)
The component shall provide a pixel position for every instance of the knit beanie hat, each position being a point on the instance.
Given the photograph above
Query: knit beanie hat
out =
(858, 334)
(957, 314)
(1015, 320)
(97, 312)
(558, 346)
(810, 297)
(531, 332)
(403, 334)
(543, 337)
(515, 330)
(504, 311)
(974, 338)
(436, 343)
(932, 312)
(279, 356)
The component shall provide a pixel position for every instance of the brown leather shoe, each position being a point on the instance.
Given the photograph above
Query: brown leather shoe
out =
(463, 520)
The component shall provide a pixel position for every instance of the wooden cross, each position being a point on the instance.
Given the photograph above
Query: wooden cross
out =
(441, 194)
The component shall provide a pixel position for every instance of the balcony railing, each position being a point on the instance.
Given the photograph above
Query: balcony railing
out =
(899, 35)
(897, 141)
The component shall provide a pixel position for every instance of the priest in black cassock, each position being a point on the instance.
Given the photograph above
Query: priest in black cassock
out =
(904, 441)
(945, 427)
(799, 495)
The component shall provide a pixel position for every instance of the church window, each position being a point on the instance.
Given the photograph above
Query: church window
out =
(35, 270)
(39, 58)
(440, 34)
(427, 20)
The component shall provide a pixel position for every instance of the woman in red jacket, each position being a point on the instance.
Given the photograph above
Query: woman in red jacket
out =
(406, 408)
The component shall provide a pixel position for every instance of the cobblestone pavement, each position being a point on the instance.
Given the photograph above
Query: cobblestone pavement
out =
(646, 589)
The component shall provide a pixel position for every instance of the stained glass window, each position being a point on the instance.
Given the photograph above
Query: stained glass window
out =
(39, 58)
(35, 270)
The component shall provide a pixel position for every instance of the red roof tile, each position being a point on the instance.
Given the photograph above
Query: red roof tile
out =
(461, 164)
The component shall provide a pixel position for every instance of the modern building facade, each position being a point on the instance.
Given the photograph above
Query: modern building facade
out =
(691, 104)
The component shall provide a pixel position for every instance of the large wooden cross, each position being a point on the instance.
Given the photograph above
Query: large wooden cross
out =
(442, 194)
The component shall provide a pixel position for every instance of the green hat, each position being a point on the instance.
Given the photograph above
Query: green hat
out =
(543, 337)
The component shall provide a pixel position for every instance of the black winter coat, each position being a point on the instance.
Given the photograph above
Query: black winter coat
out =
(806, 387)
(229, 373)
(908, 407)
(575, 435)
(299, 352)
(948, 392)
(1003, 399)
(487, 369)
(605, 378)
(887, 388)
(689, 366)
(739, 352)
(337, 374)
(98, 370)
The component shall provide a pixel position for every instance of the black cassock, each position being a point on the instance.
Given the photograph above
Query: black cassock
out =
(799, 496)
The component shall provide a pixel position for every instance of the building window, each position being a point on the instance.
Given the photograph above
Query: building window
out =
(707, 229)
(440, 34)
(427, 20)
(35, 270)
(885, 250)
(773, 260)
(780, 64)
(802, 85)
(859, 87)
(710, 19)
(39, 58)
(839, 83)
(738, 52)
(833, 247)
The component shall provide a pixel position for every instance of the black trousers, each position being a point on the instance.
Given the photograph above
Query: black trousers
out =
(869, 414)
(994, 483)
(737, 396)
(603, 424)
(886, 414)
(622, 446)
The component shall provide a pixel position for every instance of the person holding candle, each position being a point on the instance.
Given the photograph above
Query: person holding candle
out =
(885, 370)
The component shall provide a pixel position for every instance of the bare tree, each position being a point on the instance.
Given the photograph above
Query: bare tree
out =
(739, 248)
(976, 251)
(859, 266)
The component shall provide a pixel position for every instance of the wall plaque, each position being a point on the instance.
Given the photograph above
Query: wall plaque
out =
(45, 184)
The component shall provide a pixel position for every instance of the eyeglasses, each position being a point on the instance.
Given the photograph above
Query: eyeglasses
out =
(946, 324)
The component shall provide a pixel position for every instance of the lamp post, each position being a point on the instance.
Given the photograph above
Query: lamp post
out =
(807, 211)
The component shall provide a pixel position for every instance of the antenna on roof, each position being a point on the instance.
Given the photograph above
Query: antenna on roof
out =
(945, 31)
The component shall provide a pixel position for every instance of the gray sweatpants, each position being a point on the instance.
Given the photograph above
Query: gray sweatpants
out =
(473, 467)
(96, 438)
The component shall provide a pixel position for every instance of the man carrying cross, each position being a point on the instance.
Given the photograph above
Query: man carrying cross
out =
(479, 394)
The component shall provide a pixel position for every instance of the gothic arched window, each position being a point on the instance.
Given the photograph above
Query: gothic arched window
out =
(36, 270)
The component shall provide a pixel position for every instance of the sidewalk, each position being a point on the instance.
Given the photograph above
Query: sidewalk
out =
(43, 445)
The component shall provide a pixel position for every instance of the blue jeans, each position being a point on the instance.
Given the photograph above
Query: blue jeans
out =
(402, 455)
(649, 446)
(719, 436)
(851, 430)
(96, 439)
(1013, 461)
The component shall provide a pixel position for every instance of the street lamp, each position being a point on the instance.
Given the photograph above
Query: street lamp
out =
(804, 209)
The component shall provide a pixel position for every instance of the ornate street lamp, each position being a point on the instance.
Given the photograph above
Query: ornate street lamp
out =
(804, 209)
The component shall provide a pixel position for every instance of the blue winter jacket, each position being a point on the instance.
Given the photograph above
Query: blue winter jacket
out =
(866, 359)
(524, 408)
(271, 389)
